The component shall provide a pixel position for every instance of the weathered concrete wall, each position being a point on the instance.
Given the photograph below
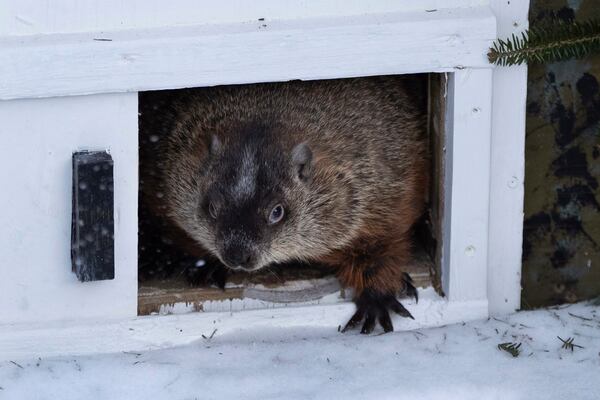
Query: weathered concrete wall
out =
(561, 249)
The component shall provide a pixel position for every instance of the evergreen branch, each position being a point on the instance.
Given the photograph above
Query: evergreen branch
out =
(548, 42)
(568, 344)
(511, 348)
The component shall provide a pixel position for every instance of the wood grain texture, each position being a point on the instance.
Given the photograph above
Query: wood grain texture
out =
(38, 140)
(467, 185)
(437, 138)
(152, 48)
(167, 295)
(206, 55)
(507, 168)
(32, 17)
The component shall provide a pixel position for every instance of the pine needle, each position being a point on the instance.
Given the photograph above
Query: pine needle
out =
(211, 335)
(548, 42)
(568, 344)
(511, 348)
(17, 364)
(580, 317)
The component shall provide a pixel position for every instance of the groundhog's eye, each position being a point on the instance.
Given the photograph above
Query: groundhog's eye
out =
(276, 214)
(212, 210)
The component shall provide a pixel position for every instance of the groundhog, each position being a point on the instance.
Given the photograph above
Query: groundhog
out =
(331, 172)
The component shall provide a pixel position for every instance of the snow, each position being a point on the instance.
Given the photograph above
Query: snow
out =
(313, 361)
(82, 337)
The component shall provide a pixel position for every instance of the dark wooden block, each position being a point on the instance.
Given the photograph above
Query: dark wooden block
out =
(92, 226)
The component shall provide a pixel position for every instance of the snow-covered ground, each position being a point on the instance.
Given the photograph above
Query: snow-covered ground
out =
(460, 361)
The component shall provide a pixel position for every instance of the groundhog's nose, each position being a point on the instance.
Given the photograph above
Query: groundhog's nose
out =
(238, 257)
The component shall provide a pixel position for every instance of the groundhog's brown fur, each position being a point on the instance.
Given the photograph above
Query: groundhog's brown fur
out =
(346, 159)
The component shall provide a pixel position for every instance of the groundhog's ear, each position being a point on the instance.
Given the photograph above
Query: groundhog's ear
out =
(302, 160)
(215, 144)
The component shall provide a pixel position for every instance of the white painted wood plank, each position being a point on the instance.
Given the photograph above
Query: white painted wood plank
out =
(38, 138)
(320, 48)
(156, 332)
(29, 17)
(464, 258)
(508, 168)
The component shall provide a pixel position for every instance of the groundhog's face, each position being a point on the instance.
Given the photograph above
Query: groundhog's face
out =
(252, 202)
(253, 199)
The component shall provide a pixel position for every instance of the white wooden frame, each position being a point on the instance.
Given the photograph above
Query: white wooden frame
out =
(114, 53)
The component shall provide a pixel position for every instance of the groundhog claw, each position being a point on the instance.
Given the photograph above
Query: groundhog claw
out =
(372, 307)
(213, 273)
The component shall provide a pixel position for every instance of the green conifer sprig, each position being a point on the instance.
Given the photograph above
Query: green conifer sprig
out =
(511, 348)
(548, 42)
(568, 344)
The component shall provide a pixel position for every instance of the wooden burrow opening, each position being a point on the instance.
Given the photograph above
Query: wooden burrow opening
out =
(165, 270)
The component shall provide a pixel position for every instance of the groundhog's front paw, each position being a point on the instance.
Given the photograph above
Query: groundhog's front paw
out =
(206, 272)
(372, 306)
